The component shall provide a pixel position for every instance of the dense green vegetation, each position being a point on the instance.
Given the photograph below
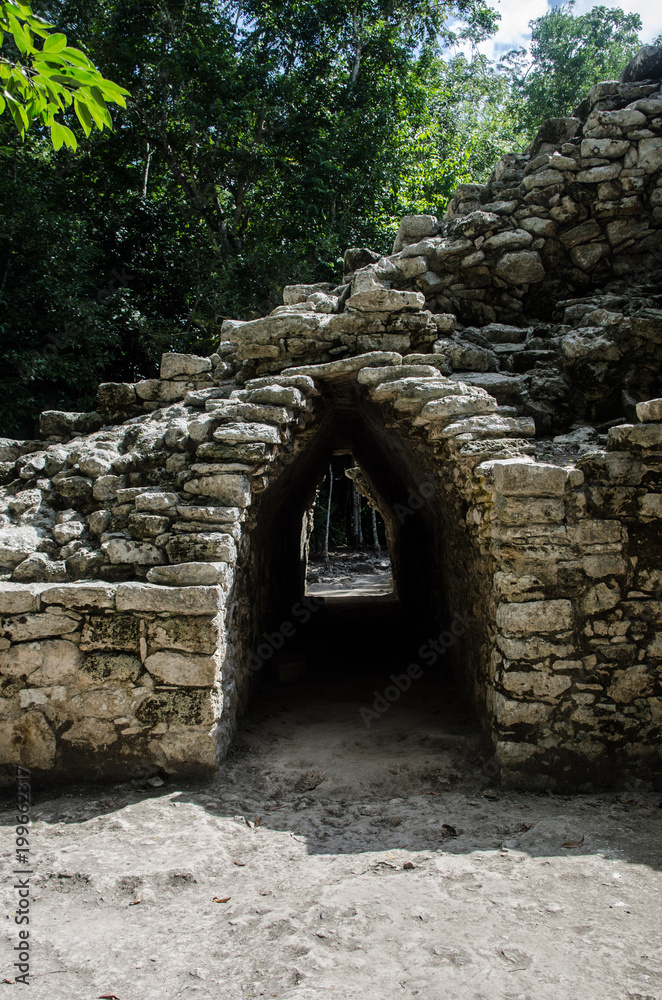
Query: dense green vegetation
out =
(259, 141)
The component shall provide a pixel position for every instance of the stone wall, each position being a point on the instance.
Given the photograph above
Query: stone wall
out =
(110, 681)
(509, 354)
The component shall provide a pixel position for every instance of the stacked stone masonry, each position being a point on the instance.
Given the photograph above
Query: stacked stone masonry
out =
(509, 353)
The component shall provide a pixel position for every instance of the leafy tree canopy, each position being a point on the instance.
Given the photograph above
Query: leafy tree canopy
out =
(260, 139)
(40, 81)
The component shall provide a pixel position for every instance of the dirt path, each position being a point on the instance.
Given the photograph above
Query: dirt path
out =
(374, 863)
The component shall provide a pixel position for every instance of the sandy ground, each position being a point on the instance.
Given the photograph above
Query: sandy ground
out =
(350, 574)
(330, 859)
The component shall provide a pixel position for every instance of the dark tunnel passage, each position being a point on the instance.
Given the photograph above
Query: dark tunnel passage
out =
(281, 638)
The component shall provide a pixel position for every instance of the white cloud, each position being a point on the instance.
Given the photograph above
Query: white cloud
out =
(515, 16)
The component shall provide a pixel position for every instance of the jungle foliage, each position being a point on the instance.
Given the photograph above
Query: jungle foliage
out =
(259, 140)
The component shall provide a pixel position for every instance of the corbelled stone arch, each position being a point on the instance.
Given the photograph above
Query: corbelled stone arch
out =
(441, 566)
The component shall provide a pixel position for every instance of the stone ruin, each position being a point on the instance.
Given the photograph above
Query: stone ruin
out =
(498, 378)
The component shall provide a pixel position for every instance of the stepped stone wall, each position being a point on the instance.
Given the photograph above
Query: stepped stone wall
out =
(498, 376)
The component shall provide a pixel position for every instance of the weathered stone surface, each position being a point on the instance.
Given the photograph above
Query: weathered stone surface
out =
(156, 503)
(183, 364)
(650, 411)
(211, 546)
(536, 616)
(43, 663)
(184, 632)
(230, 490)
(16, 599)
(180, 600)
(110, 632)
(91, 734)
(645, 65)
(28, 741)
(183, 669)
(105, 665)
(523, 268)
(128, 552)
(187, 574)
(518, 477)
(51, 622)
(16, 544)
(242, 433)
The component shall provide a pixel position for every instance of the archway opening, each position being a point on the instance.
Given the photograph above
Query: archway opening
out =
(292, 635)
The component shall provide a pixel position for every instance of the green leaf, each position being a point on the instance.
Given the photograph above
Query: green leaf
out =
(57, 135)
(83, 114)
(3, 104)
(76, 57)
(17, 32)
(69, 138)
(55, 43)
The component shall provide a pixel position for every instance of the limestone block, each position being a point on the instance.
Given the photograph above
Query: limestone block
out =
(604, 564)
(107, 666)
(212, 546)
(650, 411)
(40, 568)
(17, 598)
(511, 239)
(440, 412)
(28, 741)
(184, 632)
(650, 505)
(16, 544)
(387, 300)
(106, 487)
(91, 734)
(520, 268)
(187, 574)
(40, 626)
(650, 154)
(636, 436)
(535, 617)
(595, 175)
(67, 532)
(187, 707)
(510, 754)
(594, 532)
(60, 423)
(154, 390)
(519, 477)
(115, 396)
(241, 433)
(543, 178)
(278, 395)
(182, 600)
(508, 712)
(216, 450)
(589, 345)
(490, 426)
(537, 683)
(156, 503)
(533, 648)
(376, 376)
(115, 631)
(600, 598)
(185, 669)
(107, 703)
(635, 682)
(231, 490)
(49, 662)
(607, 149)
(147, 525)
(183, 364)
(126, 551)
